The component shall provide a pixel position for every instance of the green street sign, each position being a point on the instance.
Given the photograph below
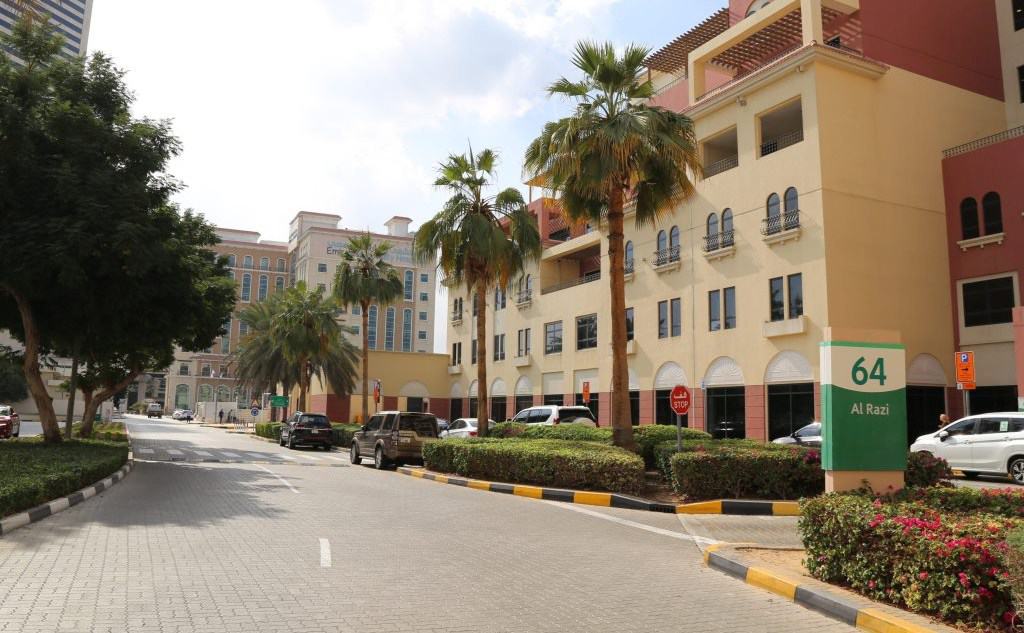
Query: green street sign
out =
(863, 406)
(279, 401)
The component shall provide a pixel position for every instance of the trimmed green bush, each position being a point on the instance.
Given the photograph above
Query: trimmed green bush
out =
(269, 430)
(947, 565)
(557, 463)
(341, 434)
(925, 470)
(107, 431)
(504, 430)
(34, 472)
(747, 473)
(648, 437)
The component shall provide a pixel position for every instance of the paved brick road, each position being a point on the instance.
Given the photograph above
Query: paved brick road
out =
(191, 546)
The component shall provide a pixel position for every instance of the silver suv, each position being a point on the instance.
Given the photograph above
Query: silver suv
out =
(550, 414)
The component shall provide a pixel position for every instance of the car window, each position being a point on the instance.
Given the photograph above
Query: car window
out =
(522, 416)
(1016, 425)
(374, 423)
(811, 430)
(5, 410)
(963, 427)
(424, 425)
(567, 414)
(458, 424)
(991, 425)
(315, 421)
(471, 423)
(539, 415)
(389, 423)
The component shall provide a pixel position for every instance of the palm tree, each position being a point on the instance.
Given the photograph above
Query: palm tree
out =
(615, 144)
(364, 277)
(296, 338)
(483, 242)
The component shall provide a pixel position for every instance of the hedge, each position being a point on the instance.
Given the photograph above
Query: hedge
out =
(664, 451)
(108, 431)
(948, 565)
(341, 434)
(269, 430)
(746, 473)
(35, 472)
(558, 463)
(648, 437)
(925, 470)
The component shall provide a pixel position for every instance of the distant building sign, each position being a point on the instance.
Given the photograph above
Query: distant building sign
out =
(399, 255)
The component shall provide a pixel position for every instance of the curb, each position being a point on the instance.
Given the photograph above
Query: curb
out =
(811, 597)
(613, 499)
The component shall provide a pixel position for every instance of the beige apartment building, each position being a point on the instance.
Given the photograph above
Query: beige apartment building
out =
(821, 206)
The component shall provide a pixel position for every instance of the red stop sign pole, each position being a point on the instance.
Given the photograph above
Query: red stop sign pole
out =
(679, 400)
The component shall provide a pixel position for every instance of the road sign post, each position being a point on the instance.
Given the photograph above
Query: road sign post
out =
(586, 392)
(279, 401)
(864, 411)
(965, 375)
(679, 400)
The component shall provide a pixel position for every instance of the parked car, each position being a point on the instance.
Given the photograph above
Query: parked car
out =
(187, 415)
(990, 443)
(154, 410)
(442, 425)
(176, 414)
(10, 422)
(393, 437)
(550, 414)
(809, 435)
(311, 429)
(463, 427)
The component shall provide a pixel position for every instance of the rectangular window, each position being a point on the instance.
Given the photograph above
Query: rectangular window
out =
(796, 295)
(456, 354)
(499, 347)
(246, 287)
(663, 319)
(629, 324)
(777, 300)
(423, 278)
(225, 345)
(988, 302)
(243, 328)
(389, 330)
(264, 287)
(472, 352)
(1018, 15)
(677, 317)
(407, 286)
(183, 370)
(523, 343)
(1020, 80)
(321, 287)
(321, 268)
(586, 332)
(421, 335)
(424, 296)
(553, 338)
(729, 299)
(355, 329)
(371, 327)
(357, 310)
(423, 316)
(715, 310)
(406, 330)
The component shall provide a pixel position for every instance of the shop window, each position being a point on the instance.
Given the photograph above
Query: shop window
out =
(523, 402)
(592, 405)
(455, 409)
(726, 412)
(554, 399)
(789, 408)
(988, 302)
(499, 411)
(663, 413)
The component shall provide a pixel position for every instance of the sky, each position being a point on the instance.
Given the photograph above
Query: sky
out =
(348, 106)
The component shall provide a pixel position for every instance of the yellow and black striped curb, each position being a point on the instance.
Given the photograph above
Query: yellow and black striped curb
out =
(866, 617)
(615, 500)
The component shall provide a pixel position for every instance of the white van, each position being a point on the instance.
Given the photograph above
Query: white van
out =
(990, 443)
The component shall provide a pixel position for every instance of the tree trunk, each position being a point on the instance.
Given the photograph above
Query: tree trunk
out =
(365, 305)
(482, 413)
(86, 430)
(303, 385)
(72, 390)
(93, 401)
(44, 404)
(622, 423)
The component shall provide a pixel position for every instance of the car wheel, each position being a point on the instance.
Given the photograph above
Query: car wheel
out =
(379, 461)
(353, 454)
(1017, 470)
(280, 439)
(970, 474)
(291, 442)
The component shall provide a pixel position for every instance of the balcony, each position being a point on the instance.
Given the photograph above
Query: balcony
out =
(522, 361)
(781, 228)
(721, 153)
(781, 128)
(584, 279)
(630, 347)
(666, 259)
(524, 298)
(628, 268)
(719, 245)
(457, 318)
(719, 166)
(454, 370)
(786, 327)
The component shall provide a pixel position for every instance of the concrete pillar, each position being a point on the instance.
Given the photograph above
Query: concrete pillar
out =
(697, 409)
(604, 408)
(754, 414)
(697, 80)
(1018, 353)
(646, 407)
(510, 407)
(810, 12)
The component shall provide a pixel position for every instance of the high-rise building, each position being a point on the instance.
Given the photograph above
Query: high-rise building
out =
(70, 17)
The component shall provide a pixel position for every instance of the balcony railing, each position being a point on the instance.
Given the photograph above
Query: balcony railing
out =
(782, 222)
(718, 241)
(524, 296)
(719, 166)
(585, 279)
(984, 142)
(771, 146)
(629, 266)
(666, 256)
(456, 317)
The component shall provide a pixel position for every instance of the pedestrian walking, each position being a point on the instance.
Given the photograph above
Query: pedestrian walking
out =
(220, 416)
(943, 420)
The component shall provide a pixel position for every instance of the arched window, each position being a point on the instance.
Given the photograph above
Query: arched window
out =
(264, 263)
(231, 261)
(246, 287)
(247, 262)
(774, 222)
(673, 244)
(389, 330)
(408, 285)
(280, 265)
(629, 256)
(371, 328)
(406, 330)
(261, 294)
(662, 240)
(755, 6)
(205, 393)
(791, 200)
(969, 219)
(773, 206)
(529, 283)
(712, 224)
(181, 397)
(992, 210)
(727, 234)
(279, 284)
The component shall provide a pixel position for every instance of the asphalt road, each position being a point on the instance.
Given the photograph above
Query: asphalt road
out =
(303, 541)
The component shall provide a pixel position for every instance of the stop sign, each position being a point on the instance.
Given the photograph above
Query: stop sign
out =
(679, 400)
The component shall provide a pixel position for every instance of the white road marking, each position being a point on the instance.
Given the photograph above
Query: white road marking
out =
(633, 524)
(202, 453)
(279, 477)
(336, 458)
(172, 451)
(316, 459)
(257, 455)
(285, 457)
(231, 455)
(146, 451)
(325, 553)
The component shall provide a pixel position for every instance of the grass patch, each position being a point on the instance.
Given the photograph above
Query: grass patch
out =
(34, 472)
(108, 431)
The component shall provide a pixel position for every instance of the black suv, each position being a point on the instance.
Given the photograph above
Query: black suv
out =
(312, 429)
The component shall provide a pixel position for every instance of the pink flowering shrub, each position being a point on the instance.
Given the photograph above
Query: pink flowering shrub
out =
(909, 554)
(925, 470)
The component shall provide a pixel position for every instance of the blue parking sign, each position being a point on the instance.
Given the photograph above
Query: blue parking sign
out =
(255, 412)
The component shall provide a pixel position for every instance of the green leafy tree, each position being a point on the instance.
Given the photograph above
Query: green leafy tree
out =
(615, 144)
(481, 242)
(97, 262)
(364, 277)
(301, 327)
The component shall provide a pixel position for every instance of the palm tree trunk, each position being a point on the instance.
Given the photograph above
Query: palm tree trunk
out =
(622, 423)
(482, 414)
(72, 390)
(44, 404)
(303, 385)
(366, 361)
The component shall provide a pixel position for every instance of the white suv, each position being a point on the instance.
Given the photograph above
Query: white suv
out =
(550, 414)
(991, 443)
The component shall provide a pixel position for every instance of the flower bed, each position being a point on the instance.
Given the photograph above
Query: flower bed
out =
(910, 554)
(558, 463)
(34, 472)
